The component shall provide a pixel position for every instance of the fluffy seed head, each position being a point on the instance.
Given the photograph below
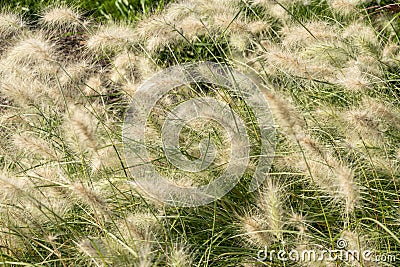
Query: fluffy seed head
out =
(369, 65)
(353, 79)
(80, 129)
(179, 256)
(311, 32)
(34, 145)
(369, 122)
(258, 26)
(26, 90)
(239, 41)
(88, 196)
(360, 33)
(10, 24)
(112, 38)
(179, 10)
(270, 202)
(94, 86)
(140, 226)
(61, 18)
(277, 11)
(356, 241)
(158, 33)
(390, 53)
(192, 27)
(298, 220)
(383, 110)
(345, 7)
(293, 64)
(123, 66)
(12, 188)
(217, 7)
(327, 172)
(74, 73)
(229, 24)
(346, 188)
(95, 249)
(254, 230)
(31, 50)
(285, 114)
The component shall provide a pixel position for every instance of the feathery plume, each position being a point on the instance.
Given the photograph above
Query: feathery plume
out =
(218, 7)
(48, 174)
(312, 259)
(192, 27)
(155, 31)
(366, 128)
(139, 231)
(285, 114)
(328, 173)
(390, 53)
(229, 23)
(254, 229)
(398, 154)
(179, 256)
(278, 11)
(368, 64)
(355, 241)
(383, 110)
(270, 201)
(381, 162)
(74, 73)
(25, 90)
(353, 79)
(13, 188)
(61, 18)
(283, 2)
(369, 122)
(89, 196)
(112, 37)
(94, 86)
(34, 145)
(105, 157)
(258, 26)
(299, 221)
(95, 249)
(360, 33)
(45, 204)
(10, 24)
(178, 11)
(293, 64)
(239, 41)
(146, 67)
(129, 88)
(159, 32)
(141, 226)
(345, 7)
(263, 3)
(80, 128)
(309, 33)
(31, 50)
(123, 67)
(330, 53)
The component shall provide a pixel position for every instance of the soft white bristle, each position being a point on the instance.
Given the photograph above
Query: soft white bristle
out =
(112, 37)
(62, 18)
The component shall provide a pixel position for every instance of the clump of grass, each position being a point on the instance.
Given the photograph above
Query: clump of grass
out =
(330, 78)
